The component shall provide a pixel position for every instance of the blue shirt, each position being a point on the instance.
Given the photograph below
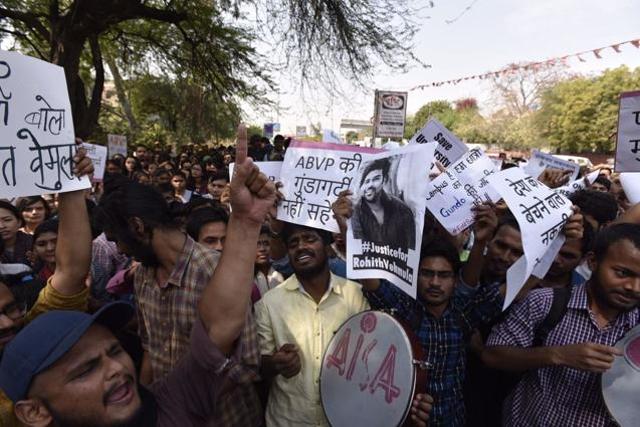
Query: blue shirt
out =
(444, 340)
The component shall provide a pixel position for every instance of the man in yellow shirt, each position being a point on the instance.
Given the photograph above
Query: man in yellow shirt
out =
(66, 289)
(296, 321)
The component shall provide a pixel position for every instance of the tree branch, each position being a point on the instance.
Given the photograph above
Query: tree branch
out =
(23, 36)
(30, 19)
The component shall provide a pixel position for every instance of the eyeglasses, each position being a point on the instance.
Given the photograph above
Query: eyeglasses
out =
(430, 274)
(14, 310)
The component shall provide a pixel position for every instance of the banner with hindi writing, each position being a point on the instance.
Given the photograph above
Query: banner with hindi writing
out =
(628, 140)
(449, 149)
(463, 185)
(385, 231)
(37, 139)
(541, 214)
(313, 175)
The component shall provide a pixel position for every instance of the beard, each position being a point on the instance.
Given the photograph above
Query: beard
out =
(141, 251)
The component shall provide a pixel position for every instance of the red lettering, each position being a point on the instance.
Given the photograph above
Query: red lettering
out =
(384, 376)
(354, 358)
(338, 358)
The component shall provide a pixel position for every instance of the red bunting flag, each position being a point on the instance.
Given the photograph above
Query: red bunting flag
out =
(533, 65)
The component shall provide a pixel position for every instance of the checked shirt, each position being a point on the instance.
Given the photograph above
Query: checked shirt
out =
(444, 340)
(558, 395)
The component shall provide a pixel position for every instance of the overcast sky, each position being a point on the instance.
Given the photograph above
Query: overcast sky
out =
(491, 35)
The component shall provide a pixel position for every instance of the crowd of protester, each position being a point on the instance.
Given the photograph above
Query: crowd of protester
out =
(169, 295)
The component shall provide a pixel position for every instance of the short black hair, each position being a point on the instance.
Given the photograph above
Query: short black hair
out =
(130, 200)
(50, 226)
(14, 211)
(613, 234)
(597, 204)
(508, 220)
(200, 217)
(219, 175)
(380, 164)
(290, 229)
(602, 180)
(178, 173)
(441, 248)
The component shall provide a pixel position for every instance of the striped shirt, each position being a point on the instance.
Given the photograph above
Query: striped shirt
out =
(166, 314)
(558, 395)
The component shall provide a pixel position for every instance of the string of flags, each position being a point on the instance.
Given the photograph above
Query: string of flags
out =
(532, 65)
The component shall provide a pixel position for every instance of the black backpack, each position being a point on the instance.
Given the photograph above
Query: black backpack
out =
(561, 297)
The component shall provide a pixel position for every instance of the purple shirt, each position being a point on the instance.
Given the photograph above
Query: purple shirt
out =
(558, 396)
(187, 396)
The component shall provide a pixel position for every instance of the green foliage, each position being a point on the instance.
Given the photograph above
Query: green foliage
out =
(441, 110)
(577, 114)
(580, 114)
(172, 111)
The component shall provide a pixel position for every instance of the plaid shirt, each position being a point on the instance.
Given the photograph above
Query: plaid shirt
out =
(444, 340)
(558, 395)
(166, 314)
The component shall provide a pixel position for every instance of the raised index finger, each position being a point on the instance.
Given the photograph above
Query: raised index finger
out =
(241, 144)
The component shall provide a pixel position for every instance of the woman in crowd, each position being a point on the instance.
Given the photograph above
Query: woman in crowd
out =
(197, 181)
(132, 166)
(16, 243)
(34, 211)
(44, 249)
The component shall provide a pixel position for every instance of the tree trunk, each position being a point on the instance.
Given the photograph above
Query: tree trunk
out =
(122, 94)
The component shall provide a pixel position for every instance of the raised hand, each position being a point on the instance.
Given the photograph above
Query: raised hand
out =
(83, 166)
(252, 193)
(554, 178)
(486, 222)
(574, 228)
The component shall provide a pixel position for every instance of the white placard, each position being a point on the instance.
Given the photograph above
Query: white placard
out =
(464, 185)
(631, 185)
(628, 141)
(313, 175)
(449, 149)
(541, 214)
(37, 140)
(98, 155)
(117, 144)
(270, 169)
(497, 164)
(579, 184)
(389, 114)
(385, 230)
(539, 161)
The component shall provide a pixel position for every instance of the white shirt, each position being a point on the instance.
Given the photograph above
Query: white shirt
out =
(288, 314)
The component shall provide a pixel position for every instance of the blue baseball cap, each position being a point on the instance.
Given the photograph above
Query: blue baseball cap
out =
(49, 337)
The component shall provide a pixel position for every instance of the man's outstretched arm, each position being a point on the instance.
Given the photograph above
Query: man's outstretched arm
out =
(226, 300)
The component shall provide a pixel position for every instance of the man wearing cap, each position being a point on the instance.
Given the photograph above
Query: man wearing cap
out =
(66, 289)
(67, 368)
